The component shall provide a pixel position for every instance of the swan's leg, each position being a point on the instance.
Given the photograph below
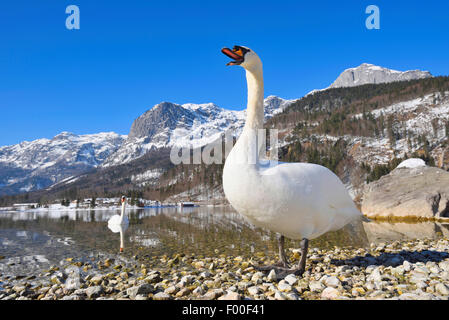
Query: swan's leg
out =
(302, 262)
(283, 264)
(282, 256)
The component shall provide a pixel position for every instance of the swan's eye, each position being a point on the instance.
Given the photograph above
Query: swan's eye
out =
(241, 50)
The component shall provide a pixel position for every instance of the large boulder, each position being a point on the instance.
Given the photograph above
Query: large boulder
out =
(415, 191)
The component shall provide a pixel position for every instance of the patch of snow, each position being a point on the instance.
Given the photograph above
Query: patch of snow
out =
(412, 163)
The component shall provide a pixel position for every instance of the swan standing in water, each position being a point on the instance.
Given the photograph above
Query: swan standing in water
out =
(119, 223)
(300, 201)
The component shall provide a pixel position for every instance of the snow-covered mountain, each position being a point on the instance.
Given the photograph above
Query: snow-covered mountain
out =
(40, 163)
(369, 73)
(168, 124)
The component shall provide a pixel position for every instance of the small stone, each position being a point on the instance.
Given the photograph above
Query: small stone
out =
(198, 291)
(71, 297)
(410, 296)
(43, 290)
(421, 269)
(284, 286)
(171, 290)
(291, 279)
(444, 265)
(108, 262)
(72, 283)
(19, 288)
(330, 293)
(398, 271)
(213, 294)
(407, 266)
(243, 285)
(434, 269)
(292, 296)
(272, 276)
(280, 296)
(161, 296)
(143, 289)
(183, 292)
(198, 264)
(357, 291)
(253, 290)
(97, 279)
(231, 296)
(233, 288)
(257, 276)
(205, 274)
(331, 281)
(442, 289)
(375, 276)
(80, 292)
(315, 286)
(153, 278)
(416, 277)
(94, 292)
(55, 279)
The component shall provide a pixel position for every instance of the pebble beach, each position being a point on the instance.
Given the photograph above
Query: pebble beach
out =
(400, 270)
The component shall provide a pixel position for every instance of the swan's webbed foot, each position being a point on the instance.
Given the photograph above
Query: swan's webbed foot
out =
(282, 268)
(277, 266)
(298, 271)
(281, 271)
(283, 265)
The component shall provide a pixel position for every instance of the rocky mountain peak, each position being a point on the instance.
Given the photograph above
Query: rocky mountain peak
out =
(369, 73)
(190, 124)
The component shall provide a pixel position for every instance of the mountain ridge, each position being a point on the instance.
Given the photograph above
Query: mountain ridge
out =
(188, 125)
(370, 73)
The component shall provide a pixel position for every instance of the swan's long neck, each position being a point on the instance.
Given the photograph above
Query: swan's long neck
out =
(255, 108)
(123, 211)
(247, 150)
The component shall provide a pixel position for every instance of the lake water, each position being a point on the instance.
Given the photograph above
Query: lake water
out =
(36, 239)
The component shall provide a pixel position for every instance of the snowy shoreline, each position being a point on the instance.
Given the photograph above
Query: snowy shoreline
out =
(73, 209)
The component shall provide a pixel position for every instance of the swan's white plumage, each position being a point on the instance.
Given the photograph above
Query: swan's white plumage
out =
(118, 222)
(297, 200)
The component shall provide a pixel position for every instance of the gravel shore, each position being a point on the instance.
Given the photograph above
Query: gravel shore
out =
(404, 270)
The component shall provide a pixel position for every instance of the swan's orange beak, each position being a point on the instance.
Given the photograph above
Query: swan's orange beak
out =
(236, 54)
(121, 249)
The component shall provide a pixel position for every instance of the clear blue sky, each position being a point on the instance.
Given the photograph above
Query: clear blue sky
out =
(130, 55)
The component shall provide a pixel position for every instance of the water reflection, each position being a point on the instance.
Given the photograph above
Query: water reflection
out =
(386, 231)
(54, 235)
(119, 229)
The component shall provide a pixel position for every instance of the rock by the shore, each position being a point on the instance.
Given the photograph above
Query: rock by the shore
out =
(418, 191)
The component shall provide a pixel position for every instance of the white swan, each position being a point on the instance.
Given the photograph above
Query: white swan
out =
(296, 200)
(119, 223)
